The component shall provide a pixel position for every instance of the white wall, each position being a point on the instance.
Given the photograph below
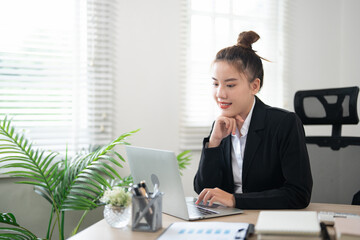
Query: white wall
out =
(350, 52)
(324, 53)
(147, 86)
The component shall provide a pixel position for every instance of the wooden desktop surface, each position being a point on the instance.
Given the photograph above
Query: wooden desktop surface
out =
(101, 230)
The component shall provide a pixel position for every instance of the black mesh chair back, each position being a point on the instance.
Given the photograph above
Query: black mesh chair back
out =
(335, 106)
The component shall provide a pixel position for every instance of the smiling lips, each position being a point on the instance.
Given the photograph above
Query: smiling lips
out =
(224, 105)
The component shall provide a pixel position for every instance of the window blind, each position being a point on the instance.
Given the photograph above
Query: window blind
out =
(57, 67)
(213, 25)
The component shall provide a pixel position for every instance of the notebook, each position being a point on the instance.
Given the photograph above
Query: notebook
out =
(161, 167)
(347, 228)
(297, 224)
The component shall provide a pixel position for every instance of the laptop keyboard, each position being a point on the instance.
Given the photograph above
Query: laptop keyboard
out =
(197, 210)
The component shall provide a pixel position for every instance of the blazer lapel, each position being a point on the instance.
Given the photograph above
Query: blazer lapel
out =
(254, 136)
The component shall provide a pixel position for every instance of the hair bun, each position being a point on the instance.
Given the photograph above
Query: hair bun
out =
(246, 39)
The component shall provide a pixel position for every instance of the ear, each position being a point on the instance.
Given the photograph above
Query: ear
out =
(255, 86)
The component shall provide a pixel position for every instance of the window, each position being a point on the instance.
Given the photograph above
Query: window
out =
(57, 70)
(214, 25)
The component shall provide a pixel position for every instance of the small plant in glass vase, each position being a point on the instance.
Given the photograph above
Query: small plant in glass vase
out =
(117, 211)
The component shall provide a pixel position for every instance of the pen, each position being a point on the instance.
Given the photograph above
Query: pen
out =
(135, 190)
(142, 198)
(143, 184)
(143, 192)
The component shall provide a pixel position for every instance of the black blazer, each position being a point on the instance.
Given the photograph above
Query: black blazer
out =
(276, 168)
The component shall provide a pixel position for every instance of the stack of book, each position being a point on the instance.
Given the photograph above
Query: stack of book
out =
(288, 225)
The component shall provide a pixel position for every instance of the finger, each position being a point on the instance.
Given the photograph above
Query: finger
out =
(227, 123)
(216, 196)
(207, 196)
(239, 122)
(234, 127)
(212, 200)
(229, 130)
(201, 195)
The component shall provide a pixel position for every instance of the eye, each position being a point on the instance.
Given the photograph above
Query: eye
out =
(215, 84)
(230, 85)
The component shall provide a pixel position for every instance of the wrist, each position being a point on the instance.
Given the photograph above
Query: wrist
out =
(213, 143)
(233, 200)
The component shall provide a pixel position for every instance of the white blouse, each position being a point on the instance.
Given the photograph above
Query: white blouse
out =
(237, 152)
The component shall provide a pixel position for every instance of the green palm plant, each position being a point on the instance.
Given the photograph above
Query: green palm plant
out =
(183, 160)
(15, 231)
(68, 184)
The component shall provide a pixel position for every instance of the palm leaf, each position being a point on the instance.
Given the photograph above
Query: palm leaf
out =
(86, 176)
(19, 159)
(14, 232)
(184, 159)
(8, 218)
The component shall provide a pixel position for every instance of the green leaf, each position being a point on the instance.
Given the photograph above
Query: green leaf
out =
(85, 180)
(47, 161)
(101, 170)
(94, 175)
(13, 158)
(109, 168)
(15, 232)
(43, 192)
(87, 188)
(24, 174)
(25, 166)
(85, 194)
(74, 201)
(183, 159)
(8, 218)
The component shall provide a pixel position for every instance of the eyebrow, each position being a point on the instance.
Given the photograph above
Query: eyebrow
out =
(226, 80)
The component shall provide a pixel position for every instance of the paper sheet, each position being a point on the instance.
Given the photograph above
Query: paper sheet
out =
(205, 230)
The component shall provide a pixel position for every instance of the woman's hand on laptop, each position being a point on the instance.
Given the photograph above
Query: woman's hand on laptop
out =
(216, 195)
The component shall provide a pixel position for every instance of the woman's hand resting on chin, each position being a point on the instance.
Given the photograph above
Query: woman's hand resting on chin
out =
(223, 127)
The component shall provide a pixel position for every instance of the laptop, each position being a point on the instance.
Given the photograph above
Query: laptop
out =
(161, 167)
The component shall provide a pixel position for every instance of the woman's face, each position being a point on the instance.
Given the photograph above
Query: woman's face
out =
(232, 91)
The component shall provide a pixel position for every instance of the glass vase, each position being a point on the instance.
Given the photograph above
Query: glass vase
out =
(117, 217)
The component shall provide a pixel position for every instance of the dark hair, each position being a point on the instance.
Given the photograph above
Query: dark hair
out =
(243, 57)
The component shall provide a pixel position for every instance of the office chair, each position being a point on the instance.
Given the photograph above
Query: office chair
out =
(336, 107)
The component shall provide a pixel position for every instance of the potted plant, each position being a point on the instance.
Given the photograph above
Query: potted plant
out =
(67, 184)
(117, 211)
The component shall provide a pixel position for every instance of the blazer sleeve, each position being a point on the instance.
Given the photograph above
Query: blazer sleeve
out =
(295, 192)
(212, 171)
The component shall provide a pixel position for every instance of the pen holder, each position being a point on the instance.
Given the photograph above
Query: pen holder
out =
(147, 213)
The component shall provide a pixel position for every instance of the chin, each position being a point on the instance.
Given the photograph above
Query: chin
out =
(227, 114)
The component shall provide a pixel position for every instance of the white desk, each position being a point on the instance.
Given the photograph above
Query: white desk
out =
(101, 230)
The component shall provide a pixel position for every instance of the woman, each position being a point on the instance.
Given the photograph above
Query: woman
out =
(256, 156)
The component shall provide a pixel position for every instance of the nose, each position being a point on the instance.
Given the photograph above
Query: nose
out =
(220, 92)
